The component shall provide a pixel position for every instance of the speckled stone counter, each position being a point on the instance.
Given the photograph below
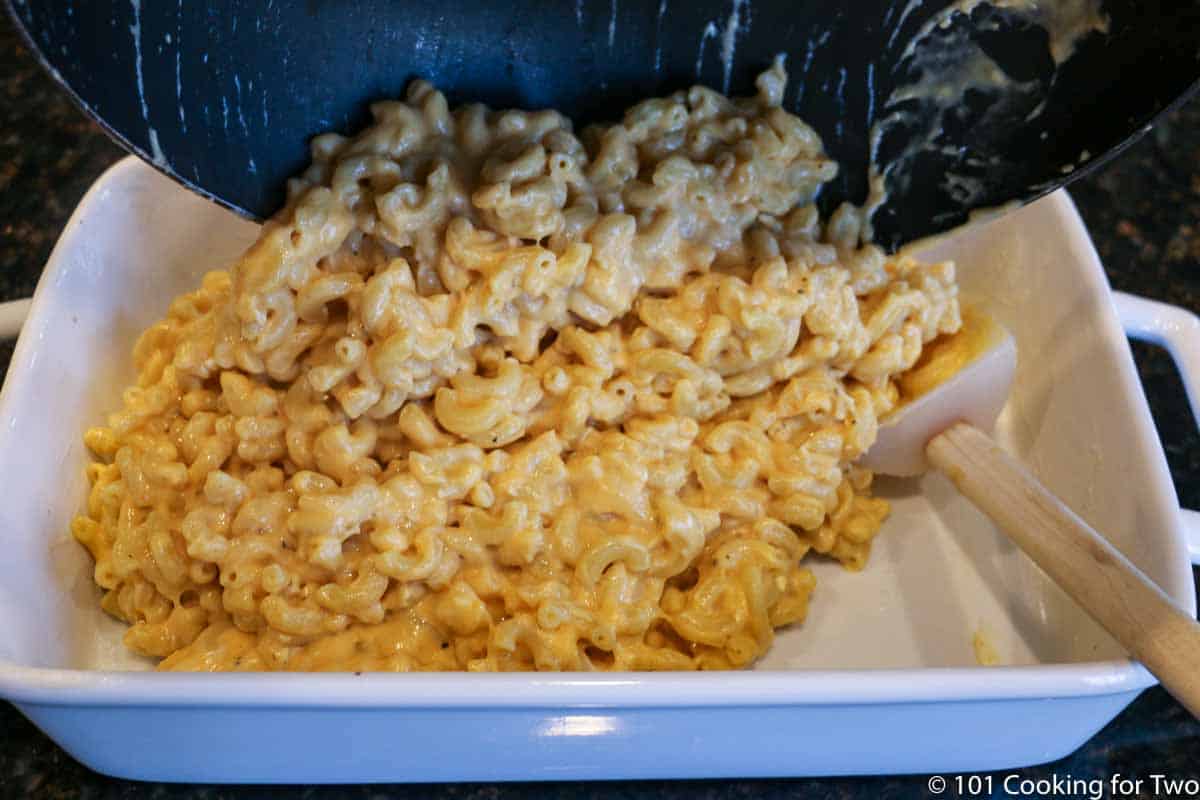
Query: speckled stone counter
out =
(1143, 211)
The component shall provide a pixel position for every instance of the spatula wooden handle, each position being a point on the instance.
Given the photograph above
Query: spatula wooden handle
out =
(1105, 583)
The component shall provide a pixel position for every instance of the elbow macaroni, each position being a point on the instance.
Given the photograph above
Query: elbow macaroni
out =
(490, 395)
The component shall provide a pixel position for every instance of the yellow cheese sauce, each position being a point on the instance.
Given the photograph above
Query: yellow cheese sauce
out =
(945, 356)
(985, 653)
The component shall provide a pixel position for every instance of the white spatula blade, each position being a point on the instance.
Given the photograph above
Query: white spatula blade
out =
(975, 394)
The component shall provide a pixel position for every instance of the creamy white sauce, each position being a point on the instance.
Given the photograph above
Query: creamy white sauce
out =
(729, 42)
(948, 63)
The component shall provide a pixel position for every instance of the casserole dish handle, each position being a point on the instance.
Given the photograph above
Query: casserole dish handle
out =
(1178, 331)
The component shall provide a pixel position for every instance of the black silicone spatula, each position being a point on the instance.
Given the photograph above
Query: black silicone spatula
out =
(225, 96)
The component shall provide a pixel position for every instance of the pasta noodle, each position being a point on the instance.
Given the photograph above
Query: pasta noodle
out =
(490, 395)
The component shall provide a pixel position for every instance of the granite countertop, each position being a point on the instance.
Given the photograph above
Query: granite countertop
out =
(1143, 212)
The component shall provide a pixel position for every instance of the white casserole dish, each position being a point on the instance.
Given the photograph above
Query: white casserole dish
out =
(882, 678)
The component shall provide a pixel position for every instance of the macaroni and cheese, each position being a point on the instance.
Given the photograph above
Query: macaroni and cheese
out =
(488, 394)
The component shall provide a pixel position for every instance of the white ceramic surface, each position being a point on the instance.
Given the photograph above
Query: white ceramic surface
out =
(880, 679)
